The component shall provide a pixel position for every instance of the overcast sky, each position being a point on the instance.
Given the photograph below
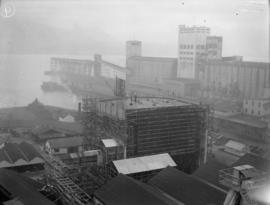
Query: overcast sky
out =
(244, 24)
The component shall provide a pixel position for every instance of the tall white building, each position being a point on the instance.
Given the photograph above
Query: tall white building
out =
(191, 46)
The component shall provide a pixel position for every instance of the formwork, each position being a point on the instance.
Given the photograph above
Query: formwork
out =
(178, 130)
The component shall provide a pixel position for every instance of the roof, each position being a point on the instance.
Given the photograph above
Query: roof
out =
(66, 142)
(125, 190)
(21, 188)
(147, 58)
(255, 161)
(235, 145)
(186, 188)
(209, 172)
(110, 143)
(248, 120)
(13, 154)
(143, 164)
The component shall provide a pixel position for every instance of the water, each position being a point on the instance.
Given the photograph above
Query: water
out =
(22, 75)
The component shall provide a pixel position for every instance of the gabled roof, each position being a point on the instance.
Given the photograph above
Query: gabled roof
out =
(255, 161)
(209, 172)
(20, 188)
(66, 142)
(186, 188)
(143, 164)
(13, 154)
(125, 190)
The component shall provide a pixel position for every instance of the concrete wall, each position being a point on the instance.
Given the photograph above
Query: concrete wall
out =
(249, 78)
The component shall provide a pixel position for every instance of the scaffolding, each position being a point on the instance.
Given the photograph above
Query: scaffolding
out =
(62, 177)
(179, 130)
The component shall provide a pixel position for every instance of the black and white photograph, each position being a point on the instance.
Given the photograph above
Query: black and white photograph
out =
(134, 102)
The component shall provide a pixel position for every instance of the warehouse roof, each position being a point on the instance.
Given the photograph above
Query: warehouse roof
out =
(125, 190)
(157, 59)
(186, 188)
(209, 172)
(21, 189)
(143, 164)
(13, 154)
(66, 142)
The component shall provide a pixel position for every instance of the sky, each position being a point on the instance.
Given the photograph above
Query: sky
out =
(244, 24)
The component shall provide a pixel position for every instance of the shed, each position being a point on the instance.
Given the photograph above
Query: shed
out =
(235, 148)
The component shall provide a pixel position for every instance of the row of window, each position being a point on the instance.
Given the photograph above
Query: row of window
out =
(211, 45)
(252, 103)
(190, 46)
(186, 58)
(191, 53)
(186, 53)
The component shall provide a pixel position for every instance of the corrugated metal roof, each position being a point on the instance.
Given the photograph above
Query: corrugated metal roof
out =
(125, 190)
(186, 189)
(143, 164)
(21, 188)
(13, 154)
(110, 143)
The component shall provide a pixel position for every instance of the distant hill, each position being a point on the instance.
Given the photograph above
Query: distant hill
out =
(29, 36)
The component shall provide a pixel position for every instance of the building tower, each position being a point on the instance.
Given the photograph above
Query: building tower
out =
(191, 46)
(214, 47)
(133, 48)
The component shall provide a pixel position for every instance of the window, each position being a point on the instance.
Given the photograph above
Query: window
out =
(56, 149)
(252, 112)
(259, 112)
(191, 46)
(245, 110)
(259, 104)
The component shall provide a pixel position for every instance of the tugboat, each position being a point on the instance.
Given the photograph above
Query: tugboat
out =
(52, 87)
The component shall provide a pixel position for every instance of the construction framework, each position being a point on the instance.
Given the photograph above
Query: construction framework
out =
(178, 130)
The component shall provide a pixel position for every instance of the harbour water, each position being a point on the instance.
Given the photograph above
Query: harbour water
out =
(22, 75)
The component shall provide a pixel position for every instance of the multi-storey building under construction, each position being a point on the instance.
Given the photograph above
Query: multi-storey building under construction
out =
(150, 125)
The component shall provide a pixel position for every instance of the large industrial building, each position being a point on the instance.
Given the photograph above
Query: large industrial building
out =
(96, 77)
(235, 78)
(151, 125)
